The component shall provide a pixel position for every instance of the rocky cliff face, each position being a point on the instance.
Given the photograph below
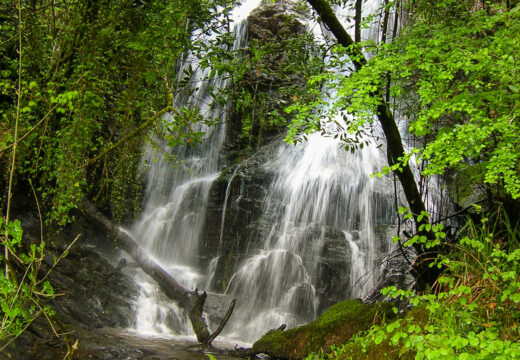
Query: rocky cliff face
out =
(276, 42)
(235, 219)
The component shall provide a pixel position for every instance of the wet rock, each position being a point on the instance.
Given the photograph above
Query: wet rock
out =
(333, 282)
(396, 272)
(465, 187)
(272, 22)
(215, 308)
(271, 80)
(302, 297)
(234, 216)
(90, 291)
(113, 344)
(96, 293)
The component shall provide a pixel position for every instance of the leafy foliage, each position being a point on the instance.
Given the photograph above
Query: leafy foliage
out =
(473, 312)
(467, 94)
(93, 72)
(451, 73)
(21, 300)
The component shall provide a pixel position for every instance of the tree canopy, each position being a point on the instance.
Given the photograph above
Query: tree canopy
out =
(450, 76)
(84, 75)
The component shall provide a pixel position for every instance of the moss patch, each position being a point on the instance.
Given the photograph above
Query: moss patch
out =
(335, 327)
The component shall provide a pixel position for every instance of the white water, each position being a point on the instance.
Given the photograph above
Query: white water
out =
(319, 189)
(176, 196)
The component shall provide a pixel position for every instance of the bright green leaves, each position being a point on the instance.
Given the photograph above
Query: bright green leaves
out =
(343, 101)
(453, 74)
(93, 72)
(21, 300)
(13, 231)
(180, 130)
(473, 313)
(463, 78)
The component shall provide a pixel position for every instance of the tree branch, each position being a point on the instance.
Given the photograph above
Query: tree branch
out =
(191, 301)
(222, 323)
(28, 132)
(134, 133)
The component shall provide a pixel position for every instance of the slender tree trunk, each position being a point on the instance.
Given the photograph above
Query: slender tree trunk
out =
(386, 15)
(396, 20)
(395, 148)
(357, 24)
(384, 31)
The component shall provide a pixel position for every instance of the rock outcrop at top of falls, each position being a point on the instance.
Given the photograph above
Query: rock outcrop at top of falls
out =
(272, 22)
(272, 29)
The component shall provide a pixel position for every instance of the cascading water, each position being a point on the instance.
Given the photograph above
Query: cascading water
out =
(321, 203)
(319, 189)
(176, 196)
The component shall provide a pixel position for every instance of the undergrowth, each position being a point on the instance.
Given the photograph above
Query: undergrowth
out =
(472, 311)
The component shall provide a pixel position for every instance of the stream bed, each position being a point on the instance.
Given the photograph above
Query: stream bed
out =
(117, 344)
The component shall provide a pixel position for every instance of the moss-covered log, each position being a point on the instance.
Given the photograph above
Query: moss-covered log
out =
(335, 327)
(353, 350)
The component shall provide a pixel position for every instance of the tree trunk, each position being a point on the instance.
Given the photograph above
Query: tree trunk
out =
(357, 21)
(395, 149)
(191, 301)
(386, 15)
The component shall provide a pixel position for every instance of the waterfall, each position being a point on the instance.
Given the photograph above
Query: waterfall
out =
(322, 202)
(319, 190)
(323, 226)
(178, 181)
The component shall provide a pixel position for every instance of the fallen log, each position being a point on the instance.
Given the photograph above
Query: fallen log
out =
(190, 300)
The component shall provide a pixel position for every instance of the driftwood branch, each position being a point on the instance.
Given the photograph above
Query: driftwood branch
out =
(191, 301)
(222, 323)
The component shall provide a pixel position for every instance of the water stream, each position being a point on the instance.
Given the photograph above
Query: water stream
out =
(178, 181)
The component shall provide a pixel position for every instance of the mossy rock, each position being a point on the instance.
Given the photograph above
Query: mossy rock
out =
(335, 327)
